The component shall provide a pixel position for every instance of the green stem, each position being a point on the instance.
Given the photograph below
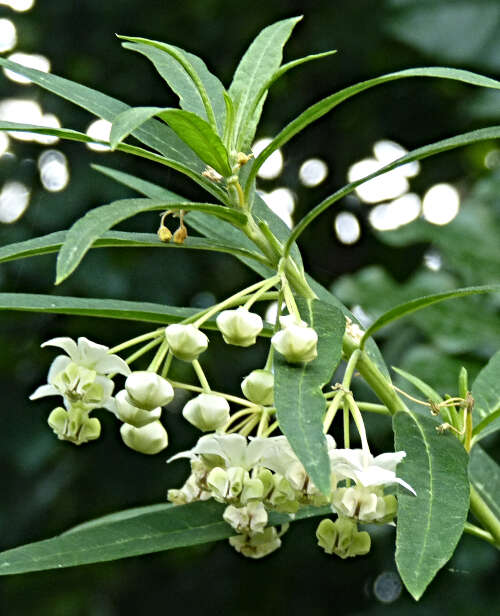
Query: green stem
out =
(138, 339)
(201, 376)
(167, 364)
(159, 357)
(142, 351)
(476, 531)
(484, 515)
(332, 410)
(256, 296)
(347, 440)
(373, 408)
(229, 398)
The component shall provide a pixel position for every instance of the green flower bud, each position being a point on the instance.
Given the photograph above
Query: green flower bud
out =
(90, 430)
(207, 412)
(258, 387)
(148, 390)
(266, 477)
(150, 439)
(283, 498)
(367, 504)
(239, 327)
(296, 342)
(257, 546)
(131, 414)
(342, 538)
(218, 484)
(237, 476)
(186, 341)
(57, 420)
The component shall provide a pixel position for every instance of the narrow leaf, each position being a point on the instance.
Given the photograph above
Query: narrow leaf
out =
(486, 394)
(200, 137)
(129, 120)
(91, 226)
(300, 404)
(427, 390)
(483, 134)
(52, 242)
(104, 308)
(180, 57)
(429, 525)
(258, 65)
(484, 474)
(322, 107)
(154, 133)
(422, 302)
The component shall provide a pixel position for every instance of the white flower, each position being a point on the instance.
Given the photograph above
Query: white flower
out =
(364, 504)
(89, 355)
(148, 439)
(186, 341)
(250, 520)
(258, 387)
(129, 413)
(296, 341)
(259, 545)
(239, 327)
(365, 469)
(207, 412)
(148, 390)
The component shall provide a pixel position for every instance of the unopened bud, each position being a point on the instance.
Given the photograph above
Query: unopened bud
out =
(258, 387)
(296, 342)
(150, 439)
(148, 390)
(207, 412)
(186, 341)
(239, 327)
(180, 235)
(164, 233)
(129, 413)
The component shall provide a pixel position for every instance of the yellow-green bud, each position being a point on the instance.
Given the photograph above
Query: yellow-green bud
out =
(207, 412)
(364, 504)
(129, 413)
(239, 327)
(266, 477)
(150, 439)
(253, 489)
(342, 538)
(218, 484)
(57, 420)
(296, 342)
(258, 387)
(148, 390)
(74, 425)
(186, 341)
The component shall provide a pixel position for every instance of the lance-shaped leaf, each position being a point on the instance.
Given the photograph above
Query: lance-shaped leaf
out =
(423, 302)
(146, 312)
(484, 474)
(325, 105)
(91, 226)
(180, 57)
(180, 81)
(193, 130)
(73, 135)
(142, 530)
(300, 404)
(483, 134)
(486, 394)
(154, 133)
(257, 66)
(52, 242)
(430, 524)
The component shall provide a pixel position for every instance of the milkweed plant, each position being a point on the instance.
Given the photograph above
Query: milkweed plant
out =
(264, 458)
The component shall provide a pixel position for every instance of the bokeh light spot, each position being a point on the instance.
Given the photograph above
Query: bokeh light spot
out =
(54, 172)
(282, 202)
(8, 35)
(312, 172)
(441, 204)
(387, 186)
(273, 165)
(100, 130)
(14, 199)
(36, 61)
(387, 587)
(347, 228)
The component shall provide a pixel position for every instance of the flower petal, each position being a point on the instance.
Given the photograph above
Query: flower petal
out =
(67, 344)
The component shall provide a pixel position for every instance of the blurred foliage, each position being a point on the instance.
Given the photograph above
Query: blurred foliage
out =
(49, 486)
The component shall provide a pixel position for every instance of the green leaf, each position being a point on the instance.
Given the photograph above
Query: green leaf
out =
(300, 404)
(422, 302)
(258, 65)
(143, 530)
(73, 135)
(52, 242)
(427, 390)
(429, 525)
(322, 107)
(180, 82)
(153, 133)
(91, 226)
(180, 57)
(486, 394)
(200, 137)
(129, 120)
(483, 134)
(484, 474)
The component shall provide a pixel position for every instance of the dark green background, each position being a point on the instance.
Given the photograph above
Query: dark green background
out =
(48, 486)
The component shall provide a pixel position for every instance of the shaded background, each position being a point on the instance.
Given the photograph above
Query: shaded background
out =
(47, 485)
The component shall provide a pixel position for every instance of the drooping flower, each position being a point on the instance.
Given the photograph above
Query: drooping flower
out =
(129, 413)
(239, 327)
(186, 342)
(89, 355)
(148, 390)
(258, 387)
(149, 439)
(295, 341)
(207, 412)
